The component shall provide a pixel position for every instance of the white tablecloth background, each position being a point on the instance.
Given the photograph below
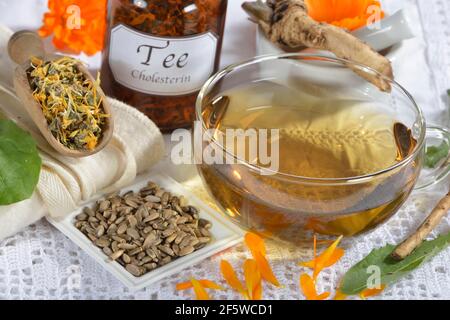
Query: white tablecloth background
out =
(41, 263)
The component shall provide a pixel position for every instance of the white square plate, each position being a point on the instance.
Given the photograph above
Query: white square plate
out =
(224, 235)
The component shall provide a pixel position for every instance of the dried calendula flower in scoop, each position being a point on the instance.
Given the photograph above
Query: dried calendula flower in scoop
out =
(69, 100)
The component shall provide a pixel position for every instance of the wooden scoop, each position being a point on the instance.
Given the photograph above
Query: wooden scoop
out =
(21, 47)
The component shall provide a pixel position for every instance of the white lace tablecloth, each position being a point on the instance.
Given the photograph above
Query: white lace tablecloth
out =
(41, 263)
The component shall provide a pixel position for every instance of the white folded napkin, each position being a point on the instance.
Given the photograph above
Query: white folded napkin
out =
(65, 183)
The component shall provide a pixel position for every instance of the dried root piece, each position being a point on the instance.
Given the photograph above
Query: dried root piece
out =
(416, 239)
(287, 23)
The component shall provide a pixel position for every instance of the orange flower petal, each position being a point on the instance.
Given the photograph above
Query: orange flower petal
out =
(323, 296)
(183, 286)
(350, 23)
(200, 292)
(340, 296)
(255, 243)
(265, 269)
(231, 278)
(208, 284)
(371, 292)
(321, 261)
(256, 246)
(308, 287)
(257, 294)
(329, 10)
(252, 278)
(141, 18)
(335, 257)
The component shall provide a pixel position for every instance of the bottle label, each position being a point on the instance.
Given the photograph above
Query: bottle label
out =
(161, 65)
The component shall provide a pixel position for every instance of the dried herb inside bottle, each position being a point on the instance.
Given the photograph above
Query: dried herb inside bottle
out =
(70, 102)
(162, 83)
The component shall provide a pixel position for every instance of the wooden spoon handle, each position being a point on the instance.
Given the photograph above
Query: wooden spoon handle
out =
(24, 44)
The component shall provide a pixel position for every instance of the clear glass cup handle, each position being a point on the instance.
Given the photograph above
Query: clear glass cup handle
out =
(435, 136)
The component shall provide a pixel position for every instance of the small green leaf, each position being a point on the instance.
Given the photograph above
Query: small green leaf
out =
(356, 279)
(20, 164)
(435, 154)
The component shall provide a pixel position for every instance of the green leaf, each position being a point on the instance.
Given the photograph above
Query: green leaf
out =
(356, 279)
(435, 154)
(20, 164)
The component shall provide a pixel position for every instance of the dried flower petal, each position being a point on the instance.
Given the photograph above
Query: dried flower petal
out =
(335, 257)
(208, 284)
(255, 243)
(265, 269)
(371, 292)
(256, 246)
(257, 292)
(308, 287)
(321, 261)
(200, 292)
(231, 278)
(70, 102)
(340, 296)
(323, 296)
(252, 279)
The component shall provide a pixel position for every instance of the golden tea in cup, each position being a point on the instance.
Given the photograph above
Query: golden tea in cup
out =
(347, 154)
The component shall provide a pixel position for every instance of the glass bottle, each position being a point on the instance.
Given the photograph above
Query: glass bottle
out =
(160, 52)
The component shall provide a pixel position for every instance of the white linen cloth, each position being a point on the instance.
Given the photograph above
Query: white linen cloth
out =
(41, 263)
(65, 182)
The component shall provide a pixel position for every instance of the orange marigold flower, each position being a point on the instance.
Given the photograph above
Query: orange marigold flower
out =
(348, 14)
(76, 25)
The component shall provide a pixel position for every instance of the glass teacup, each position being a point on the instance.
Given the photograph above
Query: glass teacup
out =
(288, 206)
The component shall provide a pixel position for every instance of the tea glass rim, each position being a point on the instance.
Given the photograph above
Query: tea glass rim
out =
(212, 81)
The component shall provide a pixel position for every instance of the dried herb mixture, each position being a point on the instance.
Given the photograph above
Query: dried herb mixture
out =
(170, 19)
(70, 102)
(163, 18)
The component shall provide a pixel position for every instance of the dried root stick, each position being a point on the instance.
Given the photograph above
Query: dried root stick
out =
(287, 23)
(408, 246)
